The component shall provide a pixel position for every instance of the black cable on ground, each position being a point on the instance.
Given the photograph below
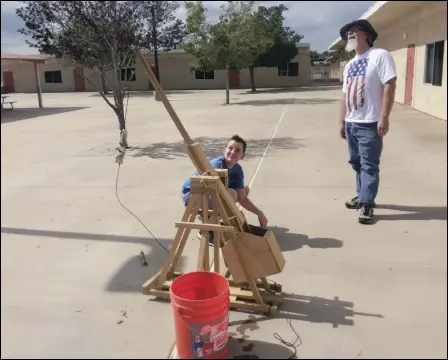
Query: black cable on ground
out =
(135, 216)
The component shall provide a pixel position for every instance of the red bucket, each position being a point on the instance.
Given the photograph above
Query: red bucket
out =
(200, 302)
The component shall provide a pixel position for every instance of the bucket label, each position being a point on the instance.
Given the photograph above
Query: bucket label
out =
(209, 339)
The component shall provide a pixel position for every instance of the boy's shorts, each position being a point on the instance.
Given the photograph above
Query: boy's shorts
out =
(186, 199)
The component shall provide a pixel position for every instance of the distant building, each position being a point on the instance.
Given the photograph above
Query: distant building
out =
(415, 33)
(175, 74)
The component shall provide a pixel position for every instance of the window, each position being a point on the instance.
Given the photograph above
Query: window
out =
(434, 63)
(128, 74)
(53, 77)
(289, 69)
(204, 75)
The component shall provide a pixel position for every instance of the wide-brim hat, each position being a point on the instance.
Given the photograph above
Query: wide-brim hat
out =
(363, 25)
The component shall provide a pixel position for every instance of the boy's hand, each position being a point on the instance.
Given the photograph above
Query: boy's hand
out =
(262, 220)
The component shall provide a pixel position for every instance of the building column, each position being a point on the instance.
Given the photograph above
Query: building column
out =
(38, 87)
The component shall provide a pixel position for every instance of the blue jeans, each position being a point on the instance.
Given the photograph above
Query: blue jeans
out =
(365, 147)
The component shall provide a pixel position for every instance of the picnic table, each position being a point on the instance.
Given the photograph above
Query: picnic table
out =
(10, 103)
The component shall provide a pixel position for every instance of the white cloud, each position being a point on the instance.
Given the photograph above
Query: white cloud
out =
(318, 21)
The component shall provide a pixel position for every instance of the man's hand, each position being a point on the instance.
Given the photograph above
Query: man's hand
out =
(262, 220)
(342, 130)
(383, 126)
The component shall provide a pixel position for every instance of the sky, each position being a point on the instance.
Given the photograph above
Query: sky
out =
(318, 21)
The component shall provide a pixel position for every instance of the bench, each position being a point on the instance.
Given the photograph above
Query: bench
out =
(10, 103)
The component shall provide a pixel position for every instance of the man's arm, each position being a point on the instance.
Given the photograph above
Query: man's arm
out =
(343, 110)
(342, 114)
(388, 75)
(343, 106)
(388, 97)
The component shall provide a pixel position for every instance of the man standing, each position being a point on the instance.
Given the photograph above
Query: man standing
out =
(366, 103)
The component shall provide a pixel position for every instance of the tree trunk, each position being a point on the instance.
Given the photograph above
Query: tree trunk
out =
(227, 86)
(252, 79)
(103, 83)
(154, 44)
(119, 111)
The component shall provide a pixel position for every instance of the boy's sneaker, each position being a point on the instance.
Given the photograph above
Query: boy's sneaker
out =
(210, 237)
(366, 215)
(354, 203)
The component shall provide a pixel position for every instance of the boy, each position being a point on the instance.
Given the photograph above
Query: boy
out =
(233, 153)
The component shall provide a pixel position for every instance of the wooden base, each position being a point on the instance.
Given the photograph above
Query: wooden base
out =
(241, 296)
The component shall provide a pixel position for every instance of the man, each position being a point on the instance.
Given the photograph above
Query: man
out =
(366, 103)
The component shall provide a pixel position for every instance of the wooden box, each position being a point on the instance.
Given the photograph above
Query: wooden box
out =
(260, 252)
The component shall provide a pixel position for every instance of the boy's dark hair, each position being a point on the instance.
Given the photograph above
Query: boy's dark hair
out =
(240, 140)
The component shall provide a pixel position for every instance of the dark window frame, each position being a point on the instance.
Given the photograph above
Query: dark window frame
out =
(433, 74)
(204, 75)
(53, 77)
(290, 70)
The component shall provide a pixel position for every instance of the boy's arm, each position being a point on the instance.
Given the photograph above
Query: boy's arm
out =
(246, 203)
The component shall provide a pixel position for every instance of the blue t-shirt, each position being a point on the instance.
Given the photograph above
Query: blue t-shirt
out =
(236, 175)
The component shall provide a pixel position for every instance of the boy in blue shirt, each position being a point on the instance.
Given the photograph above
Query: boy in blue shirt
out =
(233, 153)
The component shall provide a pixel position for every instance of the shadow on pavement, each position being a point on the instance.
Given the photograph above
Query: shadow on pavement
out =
(18, 114)
(131, 276)
(290, 241)
(213, 147)
(311, 101)
(312, 309)
(254, 349)
(143, 94)
(414, 213)
(294, 89)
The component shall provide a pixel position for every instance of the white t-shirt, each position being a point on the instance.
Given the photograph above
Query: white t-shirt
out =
(364, 79)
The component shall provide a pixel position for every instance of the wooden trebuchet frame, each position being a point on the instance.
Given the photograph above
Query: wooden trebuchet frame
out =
(224, 220)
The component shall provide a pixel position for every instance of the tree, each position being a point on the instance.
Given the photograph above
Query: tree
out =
(97, 35)
(234, 42)
(284, 40)
(165, 31)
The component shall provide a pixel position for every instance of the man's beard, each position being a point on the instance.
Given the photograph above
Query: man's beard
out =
(352, 44)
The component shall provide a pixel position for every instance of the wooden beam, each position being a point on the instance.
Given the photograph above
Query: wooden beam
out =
(38, 87)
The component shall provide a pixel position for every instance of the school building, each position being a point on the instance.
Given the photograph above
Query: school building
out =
(175, 68)
(414, 32)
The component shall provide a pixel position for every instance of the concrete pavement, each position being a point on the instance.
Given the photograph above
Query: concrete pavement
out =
(71, 275)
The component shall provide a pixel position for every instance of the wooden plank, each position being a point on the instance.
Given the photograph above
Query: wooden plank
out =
(177, 247)
(150, 283)
(209, 227)
(205, 234)
(203, 246)
(217, 235)
(165, 100)
(248, 295)
(242, 305)
(196, 203)
(247, 271)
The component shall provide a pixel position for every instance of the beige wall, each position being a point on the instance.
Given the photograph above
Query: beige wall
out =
(24, 78)
(268, 77)
(420, 27)
(175, 74)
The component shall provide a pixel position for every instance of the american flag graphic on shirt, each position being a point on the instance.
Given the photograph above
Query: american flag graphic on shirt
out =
(356, 81)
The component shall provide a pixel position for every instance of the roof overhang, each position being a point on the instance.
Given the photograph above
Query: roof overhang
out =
(30, 58)
(383, 13)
